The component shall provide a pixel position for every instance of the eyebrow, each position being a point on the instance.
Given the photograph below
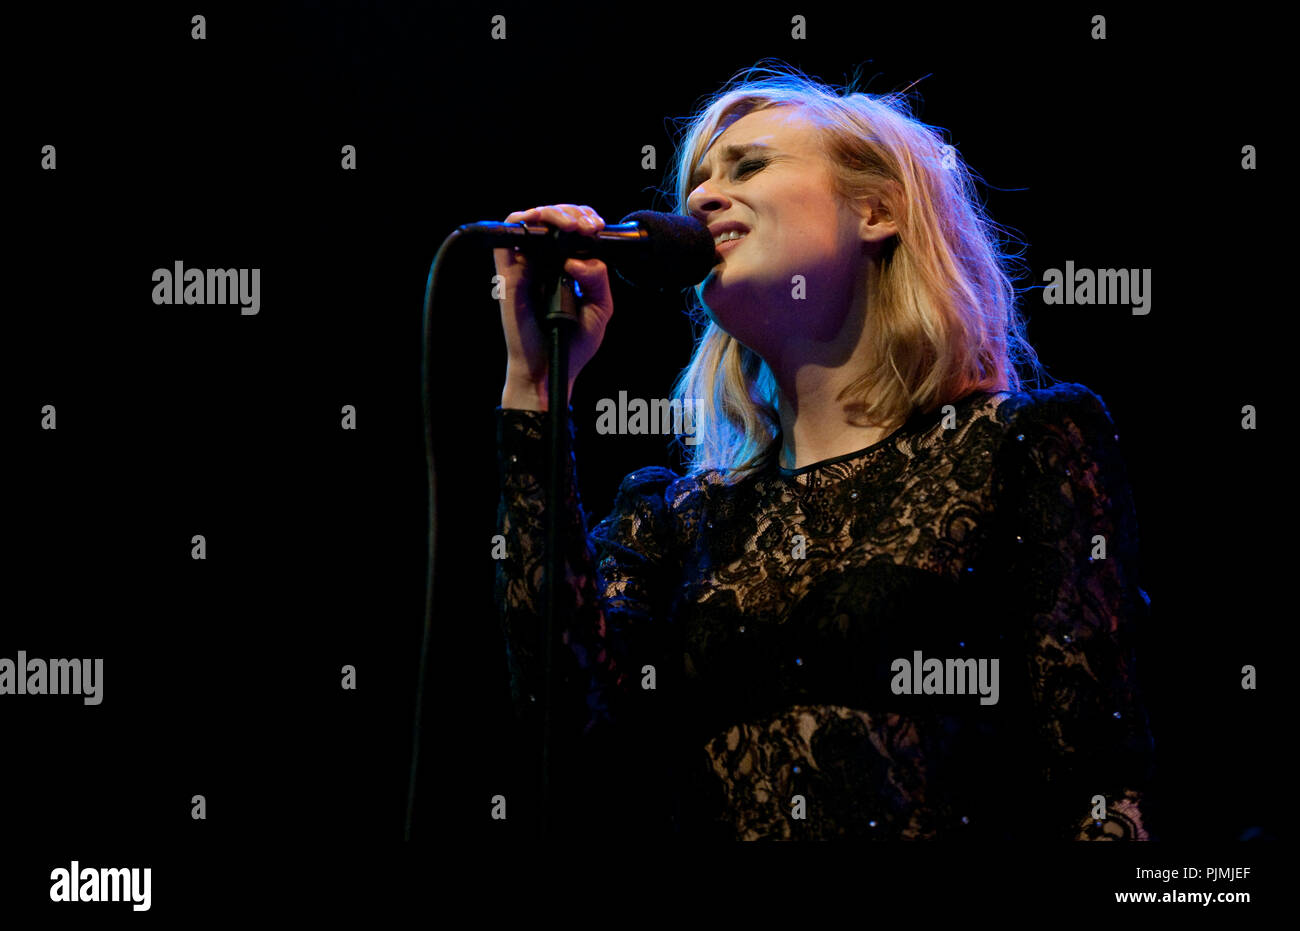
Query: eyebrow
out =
(730, 154)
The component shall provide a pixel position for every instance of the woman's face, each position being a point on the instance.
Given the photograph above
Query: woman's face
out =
(780, 191)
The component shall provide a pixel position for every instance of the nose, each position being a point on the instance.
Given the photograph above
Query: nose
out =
(702, 201)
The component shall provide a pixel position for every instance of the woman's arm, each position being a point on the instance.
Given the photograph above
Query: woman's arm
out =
(1069, 538)
(603, 717)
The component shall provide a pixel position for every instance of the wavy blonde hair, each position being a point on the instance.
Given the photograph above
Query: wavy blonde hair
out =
(944, 317)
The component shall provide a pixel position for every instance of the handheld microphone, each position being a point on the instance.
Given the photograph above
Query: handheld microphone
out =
(650, 250)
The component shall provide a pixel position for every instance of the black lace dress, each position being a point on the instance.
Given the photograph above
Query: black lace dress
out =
(733, 663)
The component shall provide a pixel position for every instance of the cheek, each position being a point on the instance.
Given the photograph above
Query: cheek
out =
(810, 227)
(801, 247)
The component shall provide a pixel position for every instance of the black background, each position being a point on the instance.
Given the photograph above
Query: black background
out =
(222, 676)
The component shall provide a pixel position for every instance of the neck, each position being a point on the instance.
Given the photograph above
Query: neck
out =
(816, 425)
(811, 371)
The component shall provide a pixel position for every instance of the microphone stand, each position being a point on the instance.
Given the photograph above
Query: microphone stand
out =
(556, 291)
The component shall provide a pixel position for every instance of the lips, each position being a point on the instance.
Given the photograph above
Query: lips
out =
(727, 226)
(726, 246)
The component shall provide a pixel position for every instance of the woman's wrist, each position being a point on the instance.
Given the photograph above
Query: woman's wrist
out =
(525, 395)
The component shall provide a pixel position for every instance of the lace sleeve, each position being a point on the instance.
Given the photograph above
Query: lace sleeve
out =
(1070, 532)
(602, 713)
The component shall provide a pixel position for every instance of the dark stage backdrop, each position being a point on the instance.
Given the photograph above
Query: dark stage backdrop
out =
(290, 439)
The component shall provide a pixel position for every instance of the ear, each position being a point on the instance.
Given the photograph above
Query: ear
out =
(877, 223)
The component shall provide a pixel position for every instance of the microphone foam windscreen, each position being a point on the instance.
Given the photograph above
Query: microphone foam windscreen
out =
(680, 254)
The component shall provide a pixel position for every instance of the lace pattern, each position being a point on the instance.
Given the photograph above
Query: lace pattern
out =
(772, 610)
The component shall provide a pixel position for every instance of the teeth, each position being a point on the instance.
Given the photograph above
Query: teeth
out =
(727, 236)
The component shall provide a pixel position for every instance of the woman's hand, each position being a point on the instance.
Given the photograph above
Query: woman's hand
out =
(526, 343)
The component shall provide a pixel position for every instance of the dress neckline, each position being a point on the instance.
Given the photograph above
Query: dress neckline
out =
(791, 473)
(915, 421)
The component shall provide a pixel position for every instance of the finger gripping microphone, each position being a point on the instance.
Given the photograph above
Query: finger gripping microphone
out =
(650, 250)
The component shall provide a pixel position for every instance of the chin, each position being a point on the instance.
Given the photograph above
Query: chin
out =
(742, 327)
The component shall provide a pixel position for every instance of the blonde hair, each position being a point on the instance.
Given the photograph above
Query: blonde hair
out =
(944, 319)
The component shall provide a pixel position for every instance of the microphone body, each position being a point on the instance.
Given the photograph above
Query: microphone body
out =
(656, 251)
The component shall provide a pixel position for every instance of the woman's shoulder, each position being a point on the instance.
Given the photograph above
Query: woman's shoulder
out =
(1060, 405)
(660, 487)
(987, 419)
(1064, 425)
(655, 506)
